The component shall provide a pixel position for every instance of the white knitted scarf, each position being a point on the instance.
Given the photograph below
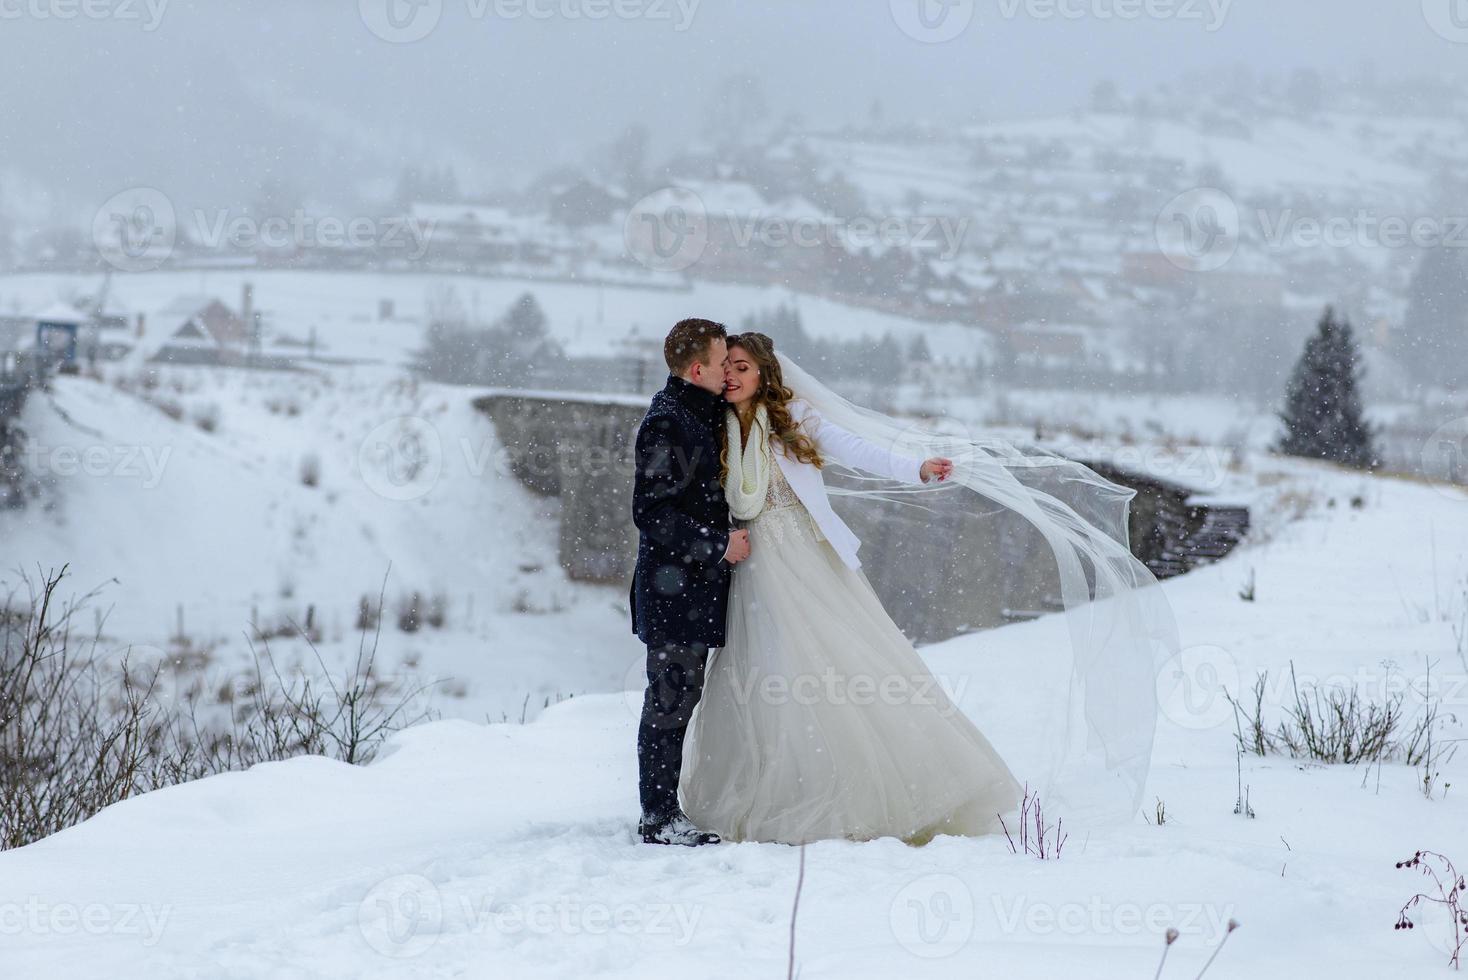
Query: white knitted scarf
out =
(749, 466)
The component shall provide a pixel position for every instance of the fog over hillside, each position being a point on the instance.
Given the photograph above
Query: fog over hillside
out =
(210, 98)
(389, 464)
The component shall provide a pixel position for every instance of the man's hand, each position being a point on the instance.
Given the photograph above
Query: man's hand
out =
(738, 549)
(937, 466)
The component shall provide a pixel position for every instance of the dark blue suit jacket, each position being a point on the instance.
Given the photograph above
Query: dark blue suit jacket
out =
(680, 589)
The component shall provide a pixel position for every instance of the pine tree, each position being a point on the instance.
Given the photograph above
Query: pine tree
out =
(1433, 344)
(918, 351)
(1322, 415)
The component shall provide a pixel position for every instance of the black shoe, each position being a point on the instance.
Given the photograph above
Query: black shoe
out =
(677, 829)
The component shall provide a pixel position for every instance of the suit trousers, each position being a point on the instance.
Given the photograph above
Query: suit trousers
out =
(675, 673)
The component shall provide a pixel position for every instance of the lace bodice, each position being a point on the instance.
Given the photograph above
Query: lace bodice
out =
(779, 493)
(783, 515)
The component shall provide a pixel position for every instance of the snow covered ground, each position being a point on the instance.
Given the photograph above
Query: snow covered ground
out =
(507, 850)
(219, 499)
(203, 524)
(342, 307)
(216, 530)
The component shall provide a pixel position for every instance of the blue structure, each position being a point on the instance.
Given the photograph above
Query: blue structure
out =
(56, 331)
(47, 336)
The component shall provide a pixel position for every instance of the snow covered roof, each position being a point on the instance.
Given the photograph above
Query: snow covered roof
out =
(59, 312)
(795, 207)
(475, 214)
(113, 306)
(727, 197)
(187, 305)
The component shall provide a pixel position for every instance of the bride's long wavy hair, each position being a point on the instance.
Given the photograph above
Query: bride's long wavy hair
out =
(775, 396)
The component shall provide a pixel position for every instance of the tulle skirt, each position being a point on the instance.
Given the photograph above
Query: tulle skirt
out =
(818, 718)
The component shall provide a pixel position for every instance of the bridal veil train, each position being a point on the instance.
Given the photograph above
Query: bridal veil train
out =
(775, 749)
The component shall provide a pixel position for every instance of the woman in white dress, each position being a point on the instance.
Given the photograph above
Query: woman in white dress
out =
(818, 719)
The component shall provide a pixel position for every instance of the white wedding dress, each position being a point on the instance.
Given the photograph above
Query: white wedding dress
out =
(818, 719)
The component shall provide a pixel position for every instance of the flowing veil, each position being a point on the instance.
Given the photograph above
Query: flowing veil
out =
(1018, 532)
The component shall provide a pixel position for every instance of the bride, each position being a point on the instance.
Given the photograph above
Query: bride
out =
(818, 718)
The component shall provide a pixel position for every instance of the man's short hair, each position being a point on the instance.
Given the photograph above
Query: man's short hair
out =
(689, 341)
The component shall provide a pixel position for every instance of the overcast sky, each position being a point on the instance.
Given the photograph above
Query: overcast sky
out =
(206, 97)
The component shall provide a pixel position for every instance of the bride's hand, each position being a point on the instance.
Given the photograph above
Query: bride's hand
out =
(937, 466)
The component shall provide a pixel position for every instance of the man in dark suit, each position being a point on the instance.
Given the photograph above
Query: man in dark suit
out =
(685, 549)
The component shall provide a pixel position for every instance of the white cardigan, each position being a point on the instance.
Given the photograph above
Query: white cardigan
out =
(848, 449)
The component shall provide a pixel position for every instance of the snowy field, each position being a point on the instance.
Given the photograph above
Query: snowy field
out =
(215, 534)
(508, 850)
(215, 503)
(180, 493)
(588, 320)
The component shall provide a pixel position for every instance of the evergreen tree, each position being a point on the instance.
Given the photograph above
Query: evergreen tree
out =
(918, 351)
(516, 351)
(1433, 345)
(525, 323)
(519, 349)
(1322, 415)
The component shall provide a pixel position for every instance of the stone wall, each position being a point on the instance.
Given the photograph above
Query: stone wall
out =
(580, 449)
(581, 452)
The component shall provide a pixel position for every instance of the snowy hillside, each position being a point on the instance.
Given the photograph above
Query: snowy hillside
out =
(205, 522)
(508, 850)
(589, 320)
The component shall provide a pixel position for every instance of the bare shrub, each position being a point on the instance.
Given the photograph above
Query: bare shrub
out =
(437, 613)
(1339, 725)
(168, 407)
(1036, 836)
(409, 618)
(311, 470)
(206, 417)
(368, 615)
(1450, 891)
(77, 735)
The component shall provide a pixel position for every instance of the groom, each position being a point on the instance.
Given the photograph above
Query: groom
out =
(685, 549)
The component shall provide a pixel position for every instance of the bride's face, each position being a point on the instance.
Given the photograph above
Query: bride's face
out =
(741, 377)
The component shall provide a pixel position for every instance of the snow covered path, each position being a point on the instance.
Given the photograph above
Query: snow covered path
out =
(508, 850)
